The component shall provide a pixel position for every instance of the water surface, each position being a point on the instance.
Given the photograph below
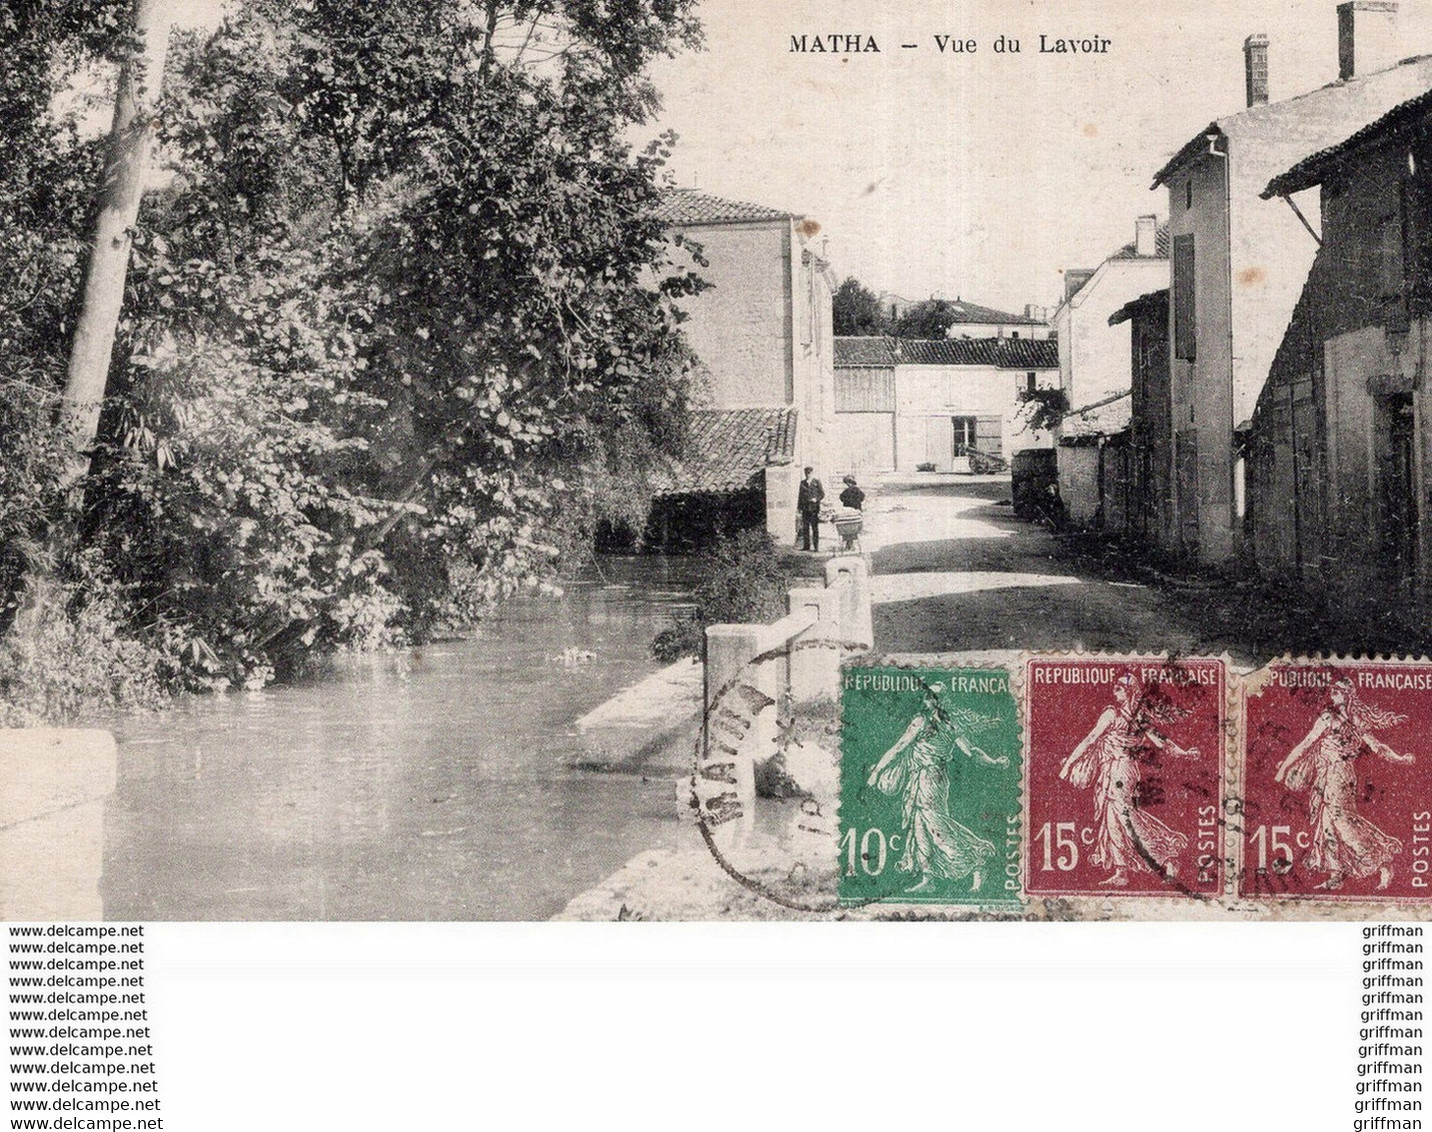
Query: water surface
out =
(434, 784)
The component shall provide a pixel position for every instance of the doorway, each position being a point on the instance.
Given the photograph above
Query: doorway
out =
(1396, 489)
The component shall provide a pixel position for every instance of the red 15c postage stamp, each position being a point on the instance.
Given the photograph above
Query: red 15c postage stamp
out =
(1337, 782)
(1125, 776)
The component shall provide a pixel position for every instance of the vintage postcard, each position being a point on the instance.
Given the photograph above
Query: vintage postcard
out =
(686, 459)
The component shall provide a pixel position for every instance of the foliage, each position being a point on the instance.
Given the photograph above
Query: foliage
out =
(856, 310)
(47, 179)
(80, 659)
(399, 331)
(745, 583)
(1043, 409)
(929, 319)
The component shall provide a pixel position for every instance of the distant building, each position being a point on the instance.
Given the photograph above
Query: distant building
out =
(1094, 362)
(1239, 262)
(893, 306)
(1093, 355)
(1338, 448)
(864, 413)
(952, 404)
(763, 334)
(970, 320)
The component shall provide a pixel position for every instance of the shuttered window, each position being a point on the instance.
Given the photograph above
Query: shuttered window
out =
(859, 390)
(989, 435)
(1185, 326)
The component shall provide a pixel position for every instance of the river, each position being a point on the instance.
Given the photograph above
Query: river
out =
(440, 783)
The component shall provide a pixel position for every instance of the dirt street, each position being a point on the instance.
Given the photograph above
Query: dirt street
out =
(956, 571)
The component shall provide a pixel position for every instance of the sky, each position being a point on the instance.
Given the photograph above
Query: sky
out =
(980, 176)
(977, 176)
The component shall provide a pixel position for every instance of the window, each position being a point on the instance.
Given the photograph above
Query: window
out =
(1185, 327)
(966, 429)
(1188, 194)
(1030, 383)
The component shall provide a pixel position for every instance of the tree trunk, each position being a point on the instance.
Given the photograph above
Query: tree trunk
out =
(131, 139)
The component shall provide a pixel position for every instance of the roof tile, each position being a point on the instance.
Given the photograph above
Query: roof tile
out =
(728, 449)
(687, 206)
(1312, 169)
(1289, 130)
(864, 351)
(1006, 353)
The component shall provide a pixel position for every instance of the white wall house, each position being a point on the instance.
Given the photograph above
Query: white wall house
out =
(1094, 356)
(763, 333)
(903, 403)
(1094, 371)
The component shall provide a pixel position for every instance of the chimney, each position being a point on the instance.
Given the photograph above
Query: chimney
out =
(1146, 231)
(1367, 37)
(1255, 56)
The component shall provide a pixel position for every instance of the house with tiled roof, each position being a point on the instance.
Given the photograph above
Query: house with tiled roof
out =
(1239, 261)
(762, 332)
(971, 320)
(1094, 361)
(944, 404)
(1339, 456)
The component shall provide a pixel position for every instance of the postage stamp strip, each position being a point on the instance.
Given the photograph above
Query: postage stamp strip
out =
(1125, 761)
(929, 787)
(1335, 776)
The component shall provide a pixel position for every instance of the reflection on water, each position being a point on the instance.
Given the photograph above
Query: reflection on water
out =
(433, 784)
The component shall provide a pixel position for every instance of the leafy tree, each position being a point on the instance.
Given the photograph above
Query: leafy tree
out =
(857, 311)
(47, 179)
(929, 319)
(400, 329)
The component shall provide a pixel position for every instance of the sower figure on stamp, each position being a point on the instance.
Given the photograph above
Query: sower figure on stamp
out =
(915, 767)
(808, 500)
(1109, 758)
(1344, 843)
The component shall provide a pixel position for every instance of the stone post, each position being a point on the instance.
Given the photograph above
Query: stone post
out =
(849, 576)
(781, 503)
(53, 786)
(725, 782)
(815, 654)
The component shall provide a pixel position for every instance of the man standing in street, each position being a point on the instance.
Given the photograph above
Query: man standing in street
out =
(808, 501)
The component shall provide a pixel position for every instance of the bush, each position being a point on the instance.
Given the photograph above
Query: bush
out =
(77, 660)
(746, 584)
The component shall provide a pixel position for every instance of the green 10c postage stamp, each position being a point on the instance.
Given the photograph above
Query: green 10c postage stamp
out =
(929, 787)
